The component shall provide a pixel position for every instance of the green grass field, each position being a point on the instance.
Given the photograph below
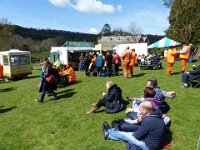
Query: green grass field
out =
(62, 124)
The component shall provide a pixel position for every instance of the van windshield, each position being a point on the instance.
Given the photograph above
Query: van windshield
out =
(19, 60)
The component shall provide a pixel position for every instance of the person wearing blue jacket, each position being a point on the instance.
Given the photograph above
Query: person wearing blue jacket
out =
(147, 137)
(100, 64)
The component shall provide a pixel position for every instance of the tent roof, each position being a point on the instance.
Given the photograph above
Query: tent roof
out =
(15, 52)
(164, 42)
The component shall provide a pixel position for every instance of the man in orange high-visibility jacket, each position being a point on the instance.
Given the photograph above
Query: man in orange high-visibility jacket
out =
(71, 74)
(132, 63)
(171, 57)
(126, 59)
(92, 65)
(184, 56)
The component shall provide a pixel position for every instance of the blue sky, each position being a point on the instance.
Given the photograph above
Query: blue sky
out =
(87, 16)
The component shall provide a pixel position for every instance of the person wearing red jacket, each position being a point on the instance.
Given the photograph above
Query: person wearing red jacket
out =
(117, 62)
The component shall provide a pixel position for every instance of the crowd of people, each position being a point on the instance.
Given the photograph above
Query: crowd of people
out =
(107, 64)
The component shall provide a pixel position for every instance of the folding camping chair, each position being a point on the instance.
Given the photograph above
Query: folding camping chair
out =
(195, 83)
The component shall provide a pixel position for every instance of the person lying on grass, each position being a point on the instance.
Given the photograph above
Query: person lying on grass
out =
(160, 94)
(112, 101)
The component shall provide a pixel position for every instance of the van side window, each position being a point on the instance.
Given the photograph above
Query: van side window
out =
(5, 60)
(19, 60)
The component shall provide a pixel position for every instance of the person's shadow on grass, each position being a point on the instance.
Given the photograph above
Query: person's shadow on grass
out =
(63, 85)
(70, 94)
(138, 75)
(4, 110)
(65, 91)
(65, 94)
(175, 73)
(7, 89)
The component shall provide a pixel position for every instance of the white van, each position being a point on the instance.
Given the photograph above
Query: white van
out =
(16, 63)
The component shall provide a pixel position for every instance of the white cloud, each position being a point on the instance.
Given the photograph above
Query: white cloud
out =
(87, 6)
(119, 8)
(93, 31)
(60, 3)
(93, 6)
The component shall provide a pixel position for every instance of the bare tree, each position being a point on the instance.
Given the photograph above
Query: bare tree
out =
(4, 21)
(135, 31)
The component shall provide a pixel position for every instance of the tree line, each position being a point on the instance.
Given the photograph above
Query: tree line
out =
(184, 20)
(36, 40)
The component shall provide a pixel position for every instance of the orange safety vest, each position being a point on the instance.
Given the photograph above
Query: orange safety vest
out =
(126, 55)
(72, 76)
(171, 55)
(94, 60)
(133, 57)
(187, 54)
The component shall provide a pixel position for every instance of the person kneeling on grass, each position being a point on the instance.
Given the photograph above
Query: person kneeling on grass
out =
(147, 137)
(112, 101)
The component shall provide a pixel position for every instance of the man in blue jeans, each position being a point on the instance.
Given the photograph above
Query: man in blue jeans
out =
(147, 137)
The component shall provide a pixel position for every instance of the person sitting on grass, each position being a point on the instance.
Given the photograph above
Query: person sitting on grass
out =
(147, 137)
(189, 76)
(112, 101)
(69, 75)
(132, 122)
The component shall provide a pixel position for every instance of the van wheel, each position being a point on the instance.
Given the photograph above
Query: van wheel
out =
(24, 76)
